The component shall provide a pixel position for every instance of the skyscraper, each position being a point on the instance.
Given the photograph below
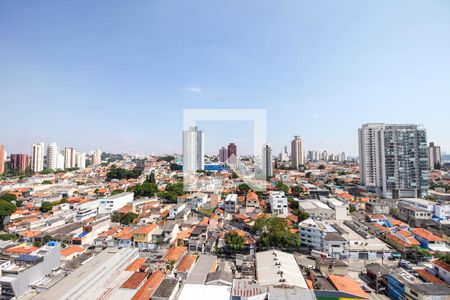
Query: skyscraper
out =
(2, 159)
(193, 150)
(52, 156)
(232, 153)
(223, 155)
(297, 152)
(434, 156)
(393, 159)
(37, 157)
(70, 158)
(20, 162)
(267, 161)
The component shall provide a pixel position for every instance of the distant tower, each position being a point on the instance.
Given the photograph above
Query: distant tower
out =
(193, 150)
(52, 156)
(81, 160)
(232, 153)
(434, 156)
(267, 160)
(223, 155)
(37, 157)
(70, 158)
(2, 159)
(297, 158)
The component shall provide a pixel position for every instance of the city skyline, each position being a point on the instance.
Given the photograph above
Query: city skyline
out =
(319, 70)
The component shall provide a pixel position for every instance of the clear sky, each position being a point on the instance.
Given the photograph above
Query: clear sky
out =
(118, 74)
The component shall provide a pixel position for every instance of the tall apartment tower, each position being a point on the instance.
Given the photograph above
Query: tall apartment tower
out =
(267, 161)
(70, 158)
(232, 153)
(52, 156)
(393, 159)
(434, 156)
(97, 157)
(193, 150)
(81, 160)
(297, 158)
(2, 159)
(223, 155)
(20, 162)
(37, 157)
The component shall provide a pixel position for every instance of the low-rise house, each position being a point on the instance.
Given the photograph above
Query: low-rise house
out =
(196, 200)
(185, 266)
(71, 252)
(167, 289)
(278, 203)
(441, 270)
(142, 236)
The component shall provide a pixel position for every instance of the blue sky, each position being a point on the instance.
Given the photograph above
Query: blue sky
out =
(118, 74)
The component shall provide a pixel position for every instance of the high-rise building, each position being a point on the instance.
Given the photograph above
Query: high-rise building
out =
(97, 157)
(52, 156)
(223, 155)
(37, 157)
(284, 155)
(434, 156)
(2, 159)
(81, 160)
(267, 161)
(342, 157)
(297, 158)
(232, 153)
(70, 158)
(19, 162)
(193, 150)
(393, 159)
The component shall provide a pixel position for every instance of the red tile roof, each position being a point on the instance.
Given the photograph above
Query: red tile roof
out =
(441, 264)
(136, 264)
(186, 263)
(174, 253)
(428, 277)
(347, 285)
(135, 280)
(71, 250)
(149, 287)
(428, 235)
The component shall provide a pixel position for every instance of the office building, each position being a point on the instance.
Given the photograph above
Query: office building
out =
(52, 156)
(2, 159)
(60, 161)
(267, 161)
(19, 162)
(70, 158)
(223, 155)
(284, 155)
(193, 150)
(232, 153)
(434, 156)
(297, 152)
(37, 157)
(393, 159)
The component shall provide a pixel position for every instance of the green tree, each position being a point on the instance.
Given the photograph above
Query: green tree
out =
(115, 217)
(8, 237)
(6, 209)
(116, 192)
(46, 182)
(280, 186)
(321, 167)
(302, 215)
(144, 190)
(46, 206)
(151, 178)
(128, 218)
(352, 208)
(297, 190)
(234, 175)
(7, 197)
(243, 188)
(274, 232)
(234, 242)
